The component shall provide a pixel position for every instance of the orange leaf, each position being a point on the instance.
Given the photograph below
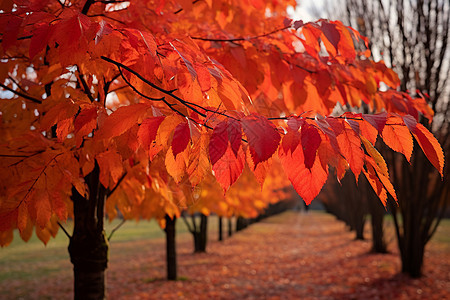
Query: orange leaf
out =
(350, 145)
(121, 120)
(398, 138)
(43, 209)
(430, 147)
(372, 167)
(198, 161)
(111, 167)
(176, 166)
(376, 185)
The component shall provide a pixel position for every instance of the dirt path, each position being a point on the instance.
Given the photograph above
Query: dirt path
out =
(291, 256)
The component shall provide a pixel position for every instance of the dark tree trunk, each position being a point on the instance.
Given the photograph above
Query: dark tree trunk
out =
(220, 229)
(88, 247)
(360, 231)
(230, 226)
(377, 211)
(171, 254)
(201, 235)
(240, 223)
(412, 260)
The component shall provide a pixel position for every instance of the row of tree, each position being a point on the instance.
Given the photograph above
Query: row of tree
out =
(411, 37)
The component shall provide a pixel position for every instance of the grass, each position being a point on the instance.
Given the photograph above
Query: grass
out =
(24, 261)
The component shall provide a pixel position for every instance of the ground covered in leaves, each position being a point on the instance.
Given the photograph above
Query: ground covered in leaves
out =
(289, 256)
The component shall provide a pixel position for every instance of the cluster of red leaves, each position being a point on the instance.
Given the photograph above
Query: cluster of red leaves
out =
(290, 256)
(162, 94)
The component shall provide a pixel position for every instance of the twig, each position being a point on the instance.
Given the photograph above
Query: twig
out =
(241, 39)
(28, 97)
(63, 229)
(115, 229)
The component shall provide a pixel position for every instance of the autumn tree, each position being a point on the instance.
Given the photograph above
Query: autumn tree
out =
(114, 106)
(413, 38)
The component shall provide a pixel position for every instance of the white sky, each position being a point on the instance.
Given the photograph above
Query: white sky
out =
(308, 10)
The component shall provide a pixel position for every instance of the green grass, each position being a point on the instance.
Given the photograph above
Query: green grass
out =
(25, 260)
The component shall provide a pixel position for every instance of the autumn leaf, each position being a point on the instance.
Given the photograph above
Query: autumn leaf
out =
(263, 137)
(378, 121)
(228, 167)
(226, 133)
(379, 160)
(111, 168)
(148, 130)
(85, 123)
(307, 181)
(310, 141)
(430, 147)
(181, 138)
(399, 139)
(121, 120)
(350, 145)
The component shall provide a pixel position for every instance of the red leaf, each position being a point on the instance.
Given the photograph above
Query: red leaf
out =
(290, 141)
(226, 132)
(85, 122)
(40, 39)
(295, 123)
(307, 182)
(10, 31)
(378, 120)
(263, 137)
(181, 138)
(310, 142)
(325, 127)
(229, 167)
(69, 31)
(148, 130)
(331, 33)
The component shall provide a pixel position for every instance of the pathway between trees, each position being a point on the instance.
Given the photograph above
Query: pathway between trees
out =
(289, 256)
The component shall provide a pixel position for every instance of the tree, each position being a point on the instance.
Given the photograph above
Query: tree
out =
(413, 38)
(126, 106)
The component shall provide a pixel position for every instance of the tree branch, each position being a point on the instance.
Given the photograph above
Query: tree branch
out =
(115, 229)
(63, 229)
(187, 224)
(86, 6)
(241, 39)
(28, 97)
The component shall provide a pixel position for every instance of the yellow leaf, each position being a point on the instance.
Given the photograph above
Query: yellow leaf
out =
(379, 160)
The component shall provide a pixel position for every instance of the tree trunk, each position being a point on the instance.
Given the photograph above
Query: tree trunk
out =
(220, 229)
(171, 255)
(201, 236)
(230, 226)
(240, 224)
(412, 260)
(88, 247)
(360, 230)
(377, 211)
